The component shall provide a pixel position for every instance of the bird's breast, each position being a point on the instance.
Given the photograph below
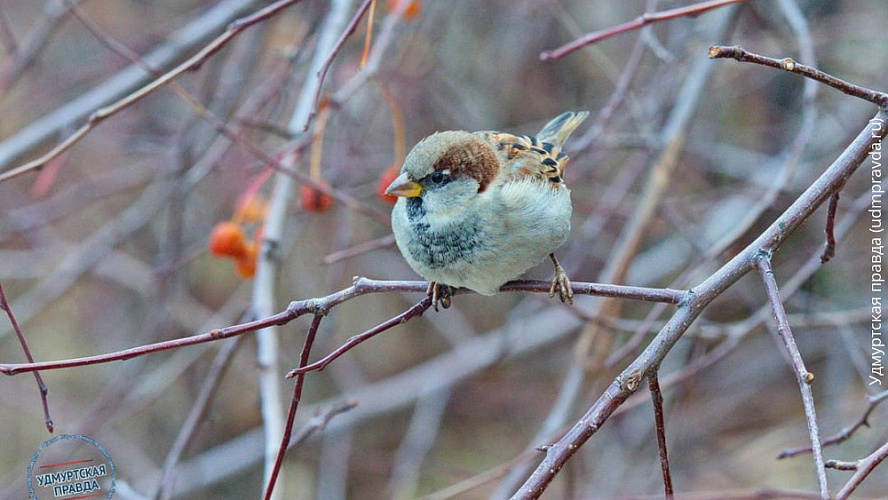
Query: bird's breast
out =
(444, 243)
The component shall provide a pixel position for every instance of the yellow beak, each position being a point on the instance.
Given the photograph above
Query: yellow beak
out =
(403, 186)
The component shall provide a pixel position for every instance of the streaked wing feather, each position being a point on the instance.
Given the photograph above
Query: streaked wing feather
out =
(528, 156)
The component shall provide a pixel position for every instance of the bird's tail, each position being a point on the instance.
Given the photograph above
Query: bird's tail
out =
(559, 129)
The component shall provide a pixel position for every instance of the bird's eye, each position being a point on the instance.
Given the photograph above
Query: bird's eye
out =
(438, 177)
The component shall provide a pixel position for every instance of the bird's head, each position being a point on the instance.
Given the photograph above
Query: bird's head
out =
(445, 171)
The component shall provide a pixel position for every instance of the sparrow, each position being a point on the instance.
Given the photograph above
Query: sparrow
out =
(478, 209)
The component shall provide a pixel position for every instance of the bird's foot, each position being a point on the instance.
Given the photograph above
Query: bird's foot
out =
(560, 283)
(440, 294)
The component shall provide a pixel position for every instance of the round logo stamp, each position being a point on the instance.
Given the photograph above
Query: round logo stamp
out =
(71, 467)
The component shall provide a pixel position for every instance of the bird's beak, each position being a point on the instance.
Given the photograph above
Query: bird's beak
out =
(403, 186)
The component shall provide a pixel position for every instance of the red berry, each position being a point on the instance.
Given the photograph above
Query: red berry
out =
(228, 239)
(314, 200)
(388, 176)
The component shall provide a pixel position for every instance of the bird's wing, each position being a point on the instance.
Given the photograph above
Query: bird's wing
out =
(525, 156)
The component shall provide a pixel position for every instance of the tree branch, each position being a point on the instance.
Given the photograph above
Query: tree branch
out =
(739, 53)
(700, 297)
(803, 376)
(638, 22)
(362, 286)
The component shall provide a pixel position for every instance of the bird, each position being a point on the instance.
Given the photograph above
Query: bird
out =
(478, 209)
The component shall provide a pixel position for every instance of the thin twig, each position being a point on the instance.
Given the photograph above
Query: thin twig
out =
(699, 297)
(829, 248)
(417, 310)
(803, 376)
(840, 465)
(322, 74)
(294, 405)
(739, 53)
(362, 286)
(41, 386)
(846, 432)
(660, 426)
(864, 467)
(638, 22)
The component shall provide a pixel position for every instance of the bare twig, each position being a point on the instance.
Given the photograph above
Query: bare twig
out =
(864, 467)
(840, 465)
(41, 386)
(660, 426)
(846, 432)
(294, 405)
(638, 22)
(701, 296)
(666, 295)
(417, 310)
(829, 248)
(803, 376)
(362, 286)
(739, 53)
(322, 74)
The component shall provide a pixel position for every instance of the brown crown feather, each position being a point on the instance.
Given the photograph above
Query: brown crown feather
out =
(474, 159)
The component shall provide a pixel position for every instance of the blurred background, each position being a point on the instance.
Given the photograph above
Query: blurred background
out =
(108, 246)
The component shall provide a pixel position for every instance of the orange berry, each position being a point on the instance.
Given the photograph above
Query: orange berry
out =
(387, 177)
(314, 200)
(228, 239)
(245, 266)
(411, 11)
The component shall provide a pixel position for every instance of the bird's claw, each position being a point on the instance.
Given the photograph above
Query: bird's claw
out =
(439, 294)
(561, 283)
